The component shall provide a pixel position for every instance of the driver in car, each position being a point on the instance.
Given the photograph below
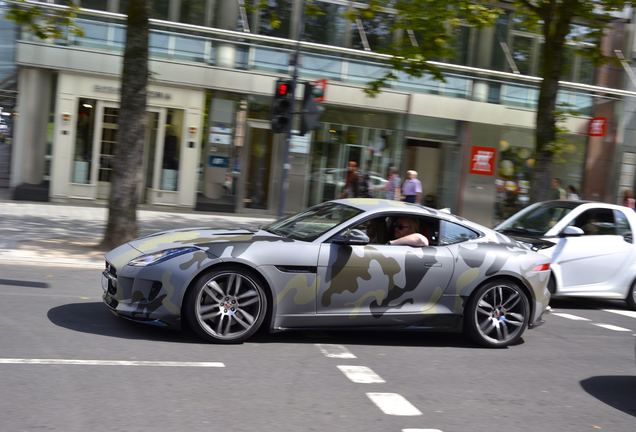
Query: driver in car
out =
(405, 233)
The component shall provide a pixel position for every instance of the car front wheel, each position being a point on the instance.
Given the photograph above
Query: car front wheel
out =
(631, 296)
(497, 314)
(227, 306)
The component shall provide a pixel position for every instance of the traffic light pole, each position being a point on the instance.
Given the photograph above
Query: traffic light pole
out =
(284, 183)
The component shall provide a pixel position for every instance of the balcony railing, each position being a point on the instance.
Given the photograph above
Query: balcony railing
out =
(190, 43)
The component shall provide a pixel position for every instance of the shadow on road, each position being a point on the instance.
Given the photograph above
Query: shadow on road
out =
(619, 392)
(95, 318)
(582, 303)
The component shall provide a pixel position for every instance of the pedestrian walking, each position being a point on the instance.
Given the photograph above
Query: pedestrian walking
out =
(556, 191)
(412, 187)
(350, 189)
(628, 199)
(572, 194)
(392, 188)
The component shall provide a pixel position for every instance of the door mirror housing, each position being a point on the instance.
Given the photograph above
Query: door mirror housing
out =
(352, 237)
(571, 231)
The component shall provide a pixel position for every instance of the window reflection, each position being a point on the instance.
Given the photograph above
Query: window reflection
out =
(171, 150)
(83, 154)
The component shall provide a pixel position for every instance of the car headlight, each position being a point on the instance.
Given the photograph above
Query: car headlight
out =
(154, 258)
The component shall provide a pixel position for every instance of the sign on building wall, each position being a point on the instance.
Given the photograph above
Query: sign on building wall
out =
(597, 127)
(482, 160)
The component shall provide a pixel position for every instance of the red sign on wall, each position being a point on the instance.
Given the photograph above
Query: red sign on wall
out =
(482, 160)
(597, 127)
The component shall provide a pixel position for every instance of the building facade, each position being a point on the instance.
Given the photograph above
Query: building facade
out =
(213, 67)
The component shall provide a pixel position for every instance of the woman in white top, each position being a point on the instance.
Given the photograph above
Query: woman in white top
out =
(573, 194)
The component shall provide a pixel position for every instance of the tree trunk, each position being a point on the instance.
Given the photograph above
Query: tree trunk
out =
(555, 29)
(127, 158)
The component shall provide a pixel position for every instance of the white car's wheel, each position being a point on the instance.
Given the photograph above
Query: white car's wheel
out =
(631, 296)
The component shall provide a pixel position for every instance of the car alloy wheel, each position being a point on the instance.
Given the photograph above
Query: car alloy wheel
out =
(497, 314)
(227, 306)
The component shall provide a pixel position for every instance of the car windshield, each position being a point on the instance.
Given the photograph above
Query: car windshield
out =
(536, 221)
(314, 222)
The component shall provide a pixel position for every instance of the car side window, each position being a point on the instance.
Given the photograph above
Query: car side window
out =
(622, 226)
(451, 233)
(596, 222)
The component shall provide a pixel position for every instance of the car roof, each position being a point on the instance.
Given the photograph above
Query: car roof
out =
(380, 205)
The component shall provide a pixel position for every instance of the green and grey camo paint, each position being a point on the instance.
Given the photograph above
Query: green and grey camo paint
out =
(314, 284)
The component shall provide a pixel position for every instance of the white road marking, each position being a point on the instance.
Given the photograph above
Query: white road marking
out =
(393, 404)
(612, 327)
(360, 374)
(108, 362)
(421, 430)
(631, 314)
(568, 316)
(335, 351)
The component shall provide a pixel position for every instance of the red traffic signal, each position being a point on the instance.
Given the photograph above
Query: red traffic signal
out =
(281, 106)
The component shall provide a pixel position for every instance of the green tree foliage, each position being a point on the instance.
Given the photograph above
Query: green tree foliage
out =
(428, 27)
(45, 23)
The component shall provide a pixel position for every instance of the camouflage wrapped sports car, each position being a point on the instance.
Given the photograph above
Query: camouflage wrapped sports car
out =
(332, 266)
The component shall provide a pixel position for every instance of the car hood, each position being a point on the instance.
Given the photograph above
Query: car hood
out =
(194, 237)
(535, 243)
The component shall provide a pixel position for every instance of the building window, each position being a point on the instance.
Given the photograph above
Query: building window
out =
(193, 12)
(83, 154)
(327, 25)
(94, 4)
(273, 19)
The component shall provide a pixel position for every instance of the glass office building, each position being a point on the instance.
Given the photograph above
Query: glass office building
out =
(213, 67)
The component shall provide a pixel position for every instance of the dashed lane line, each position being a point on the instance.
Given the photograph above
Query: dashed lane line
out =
(569, 316)
(421, 430)
(34, 361)
(335, 351)
(612, 327)
(631, 314)
(361, 374)
(393, 404)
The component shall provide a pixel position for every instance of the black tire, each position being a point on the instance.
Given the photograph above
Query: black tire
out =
(227, 305)
(497, 314)
(631, 296)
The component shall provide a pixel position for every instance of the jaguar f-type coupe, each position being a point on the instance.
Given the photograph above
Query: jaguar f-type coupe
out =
(333, 266)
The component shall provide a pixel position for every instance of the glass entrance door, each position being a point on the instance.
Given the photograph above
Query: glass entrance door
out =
(259, 173)
(106, 136)
(107, 127)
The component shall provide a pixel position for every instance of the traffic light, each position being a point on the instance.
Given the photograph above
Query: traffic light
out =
(312, 109)
(281, 106)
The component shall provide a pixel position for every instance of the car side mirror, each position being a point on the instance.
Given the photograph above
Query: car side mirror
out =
(571, 231)
(352, 237)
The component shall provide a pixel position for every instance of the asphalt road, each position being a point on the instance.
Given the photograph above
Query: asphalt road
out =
(570, 374)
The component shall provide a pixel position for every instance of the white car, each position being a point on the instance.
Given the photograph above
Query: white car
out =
(590, 245)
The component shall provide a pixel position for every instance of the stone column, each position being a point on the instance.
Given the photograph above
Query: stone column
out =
(29, 145)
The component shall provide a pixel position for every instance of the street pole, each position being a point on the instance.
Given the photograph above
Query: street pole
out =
(284, 183)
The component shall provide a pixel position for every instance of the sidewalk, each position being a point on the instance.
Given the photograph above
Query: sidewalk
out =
(60, 234)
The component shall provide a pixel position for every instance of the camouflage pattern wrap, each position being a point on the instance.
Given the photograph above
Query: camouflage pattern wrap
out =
(320, 283)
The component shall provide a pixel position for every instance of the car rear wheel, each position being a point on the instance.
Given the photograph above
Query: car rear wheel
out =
(631, 296)
(497, 314)
(227, 305)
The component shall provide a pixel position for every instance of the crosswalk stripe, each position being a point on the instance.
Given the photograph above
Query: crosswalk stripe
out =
(569, 316)
(335, 351)
(631, 314)
(108, 362)
(360, 374)
(612, 327)
(393, 404)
